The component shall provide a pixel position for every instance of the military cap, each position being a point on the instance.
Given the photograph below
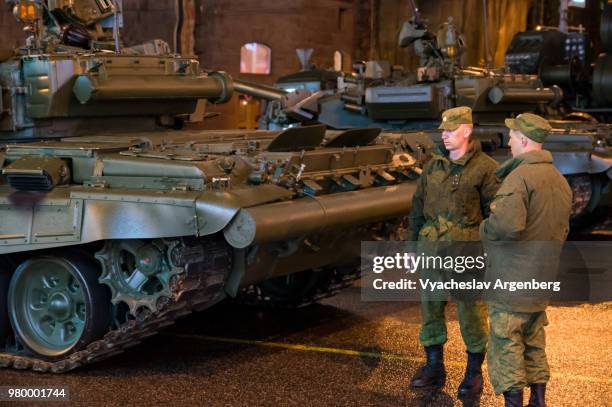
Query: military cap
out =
(531, 125)
(455, 117)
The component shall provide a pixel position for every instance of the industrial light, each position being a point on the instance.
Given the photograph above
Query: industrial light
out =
(26, 11)
(577, 3)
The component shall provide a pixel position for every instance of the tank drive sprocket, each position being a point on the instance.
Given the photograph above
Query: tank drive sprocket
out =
(139, 273)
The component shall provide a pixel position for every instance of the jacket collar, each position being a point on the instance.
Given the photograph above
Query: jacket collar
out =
(531, 157)
(441, 153)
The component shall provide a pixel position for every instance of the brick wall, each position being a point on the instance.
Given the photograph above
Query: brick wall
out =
(148, 19)
(11, 31)
(223, 26)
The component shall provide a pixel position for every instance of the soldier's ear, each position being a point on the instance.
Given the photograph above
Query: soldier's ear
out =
(467, 132)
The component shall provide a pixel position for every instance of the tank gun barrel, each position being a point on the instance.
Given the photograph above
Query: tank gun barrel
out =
(259, 91)
(499, 95)
(300, 104)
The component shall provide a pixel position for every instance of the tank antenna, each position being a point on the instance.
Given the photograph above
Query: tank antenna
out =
(563, 5)
(116, 27)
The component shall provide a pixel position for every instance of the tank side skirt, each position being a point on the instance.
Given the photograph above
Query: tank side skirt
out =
(84, 215)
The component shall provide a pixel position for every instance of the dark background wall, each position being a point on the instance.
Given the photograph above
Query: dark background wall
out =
(11, 31)
(148, 19)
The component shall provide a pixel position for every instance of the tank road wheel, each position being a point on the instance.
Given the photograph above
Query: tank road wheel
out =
(6, 267)
(56, 305)
(587, 193)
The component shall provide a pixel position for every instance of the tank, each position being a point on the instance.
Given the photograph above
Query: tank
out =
(405, 104)
(113, 223)
(379, 94)
(567, 60)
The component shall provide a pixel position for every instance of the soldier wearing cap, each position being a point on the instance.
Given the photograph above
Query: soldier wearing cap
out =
(452, 198)
(533, 204)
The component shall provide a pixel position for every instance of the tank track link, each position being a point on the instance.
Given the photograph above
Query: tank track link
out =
(200, 289)
(335, 281)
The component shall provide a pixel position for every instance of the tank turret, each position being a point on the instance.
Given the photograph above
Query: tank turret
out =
(73, 71)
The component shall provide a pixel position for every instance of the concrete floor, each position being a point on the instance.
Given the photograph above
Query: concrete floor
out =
(340, 352)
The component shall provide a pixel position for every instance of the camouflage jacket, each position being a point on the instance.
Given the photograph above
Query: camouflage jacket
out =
(533, 203)
(524, 233)
(453, 196)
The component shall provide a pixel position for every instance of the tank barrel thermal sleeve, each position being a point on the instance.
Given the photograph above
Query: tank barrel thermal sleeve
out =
(308, 215)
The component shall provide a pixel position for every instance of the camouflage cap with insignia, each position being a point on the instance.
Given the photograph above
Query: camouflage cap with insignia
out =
(455, 117)
(531, 125)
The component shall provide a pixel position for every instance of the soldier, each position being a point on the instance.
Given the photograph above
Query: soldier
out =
(452, 198)
(532, 204)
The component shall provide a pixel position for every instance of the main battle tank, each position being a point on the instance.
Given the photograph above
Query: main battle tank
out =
(112, 225)
(378, 94)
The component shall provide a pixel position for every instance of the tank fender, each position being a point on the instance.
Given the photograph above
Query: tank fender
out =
(67, 217)
(194, 215)
(216, 209)
(56, 223)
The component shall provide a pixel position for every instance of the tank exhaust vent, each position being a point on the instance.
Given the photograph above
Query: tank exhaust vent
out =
(32, 173)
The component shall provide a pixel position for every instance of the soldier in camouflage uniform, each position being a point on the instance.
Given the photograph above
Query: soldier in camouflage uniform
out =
(452, 198)
(533, 204)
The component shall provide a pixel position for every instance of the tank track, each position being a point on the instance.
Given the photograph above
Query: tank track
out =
(201, 288)
(336, 280)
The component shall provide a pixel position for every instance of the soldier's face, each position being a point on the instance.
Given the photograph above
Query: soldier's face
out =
(457, 139)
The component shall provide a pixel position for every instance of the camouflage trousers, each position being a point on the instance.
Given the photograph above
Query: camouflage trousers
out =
(516, 356)
(472, 317)
(471, 313)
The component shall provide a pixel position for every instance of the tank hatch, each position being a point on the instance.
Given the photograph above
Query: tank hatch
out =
(298, 138)
(354, 138)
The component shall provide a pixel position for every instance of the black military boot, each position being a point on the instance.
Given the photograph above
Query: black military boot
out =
(432, 374)
(537, 397)
(471, 386)
(513, 398)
